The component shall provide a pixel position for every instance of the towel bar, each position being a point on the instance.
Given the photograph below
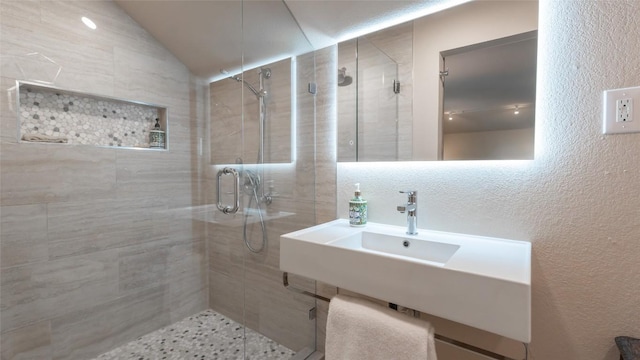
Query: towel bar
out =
(456, 343)
(285, 282)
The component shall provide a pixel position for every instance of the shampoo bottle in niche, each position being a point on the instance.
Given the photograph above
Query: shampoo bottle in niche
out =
(357, 209)
(157, 136)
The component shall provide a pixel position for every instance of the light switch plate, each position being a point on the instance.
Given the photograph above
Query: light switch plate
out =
(619, 115)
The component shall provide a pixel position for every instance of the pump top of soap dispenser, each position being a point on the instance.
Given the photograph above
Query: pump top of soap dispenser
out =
(357, 193)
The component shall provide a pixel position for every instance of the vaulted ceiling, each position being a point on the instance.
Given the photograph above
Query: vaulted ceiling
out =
(211, 35)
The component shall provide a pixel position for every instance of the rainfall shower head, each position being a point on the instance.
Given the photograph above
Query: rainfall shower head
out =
(343, 78)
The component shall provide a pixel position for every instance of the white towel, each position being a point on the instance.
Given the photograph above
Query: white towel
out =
(44, 138)
(360, 329)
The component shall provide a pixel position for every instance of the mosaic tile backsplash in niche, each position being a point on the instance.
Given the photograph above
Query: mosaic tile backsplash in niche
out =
(87, 120)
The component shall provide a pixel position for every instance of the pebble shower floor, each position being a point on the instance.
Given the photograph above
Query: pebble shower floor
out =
(206, 335)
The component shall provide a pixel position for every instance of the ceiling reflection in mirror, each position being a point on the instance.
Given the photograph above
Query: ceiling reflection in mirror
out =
(481, 95)
(236, 36)
(489, 99)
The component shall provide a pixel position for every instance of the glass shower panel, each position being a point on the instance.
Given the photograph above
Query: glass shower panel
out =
(347, 100)
(278, 192)
(377, 104)
(257, 116)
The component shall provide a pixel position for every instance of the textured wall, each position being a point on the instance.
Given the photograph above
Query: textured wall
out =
(92, 254)
(578, 202)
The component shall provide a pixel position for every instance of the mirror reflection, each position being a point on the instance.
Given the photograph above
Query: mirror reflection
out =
(474, 63)
(489, 99)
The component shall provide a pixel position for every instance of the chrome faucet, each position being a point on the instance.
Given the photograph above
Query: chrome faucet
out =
(411, 207)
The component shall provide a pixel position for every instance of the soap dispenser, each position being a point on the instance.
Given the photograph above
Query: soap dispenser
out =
(357, 209)
(157, 136)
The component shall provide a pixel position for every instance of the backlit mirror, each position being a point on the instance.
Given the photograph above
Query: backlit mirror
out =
(455, 85)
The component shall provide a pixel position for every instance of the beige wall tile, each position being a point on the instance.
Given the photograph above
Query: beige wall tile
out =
(97, 329)
(76, 59)
(187, 280)
(77, 228)
(8, 109)
(225, 121)
(29, 342)
(142, 266)
(226, 295)
(40, 291)
(39, 173)
(277, 312)
(155, 174)
(145, 77)
(16, 13)
(285, 318)
(23, 234)
(115, 27)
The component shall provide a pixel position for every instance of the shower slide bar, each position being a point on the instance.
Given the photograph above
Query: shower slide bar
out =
(459, 344)
(229, 209)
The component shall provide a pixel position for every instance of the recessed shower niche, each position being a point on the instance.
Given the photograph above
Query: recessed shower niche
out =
(52, 115)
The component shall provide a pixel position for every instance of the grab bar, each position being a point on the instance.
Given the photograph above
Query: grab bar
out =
(236, 191)
(456, 343)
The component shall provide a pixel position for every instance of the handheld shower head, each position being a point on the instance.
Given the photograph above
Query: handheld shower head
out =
(266, 72)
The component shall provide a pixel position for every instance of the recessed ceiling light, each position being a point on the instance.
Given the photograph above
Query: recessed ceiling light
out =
(90, 24)
(517, 110)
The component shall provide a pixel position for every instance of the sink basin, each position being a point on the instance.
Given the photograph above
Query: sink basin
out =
(437, 253)
(478, 281)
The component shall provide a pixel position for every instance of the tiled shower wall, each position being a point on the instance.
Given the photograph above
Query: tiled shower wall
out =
(92, 255)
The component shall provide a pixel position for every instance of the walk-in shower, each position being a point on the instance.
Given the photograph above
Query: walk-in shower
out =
(117, 253)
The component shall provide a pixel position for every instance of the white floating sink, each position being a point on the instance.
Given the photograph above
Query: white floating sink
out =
(474, 280)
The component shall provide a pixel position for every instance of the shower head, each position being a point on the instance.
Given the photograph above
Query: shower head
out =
(265, 72)
(347, 80)
(257, 93)
(343, 78)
